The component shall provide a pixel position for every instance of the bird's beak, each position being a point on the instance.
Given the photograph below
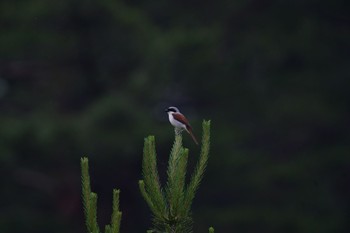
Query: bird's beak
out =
(166, 110)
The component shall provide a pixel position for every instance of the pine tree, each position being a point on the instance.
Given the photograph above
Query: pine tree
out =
(171, 205)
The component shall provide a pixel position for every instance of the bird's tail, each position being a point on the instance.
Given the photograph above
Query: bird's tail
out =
(189, 130)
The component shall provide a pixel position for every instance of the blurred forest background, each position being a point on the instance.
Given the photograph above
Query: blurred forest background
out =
(92, 78)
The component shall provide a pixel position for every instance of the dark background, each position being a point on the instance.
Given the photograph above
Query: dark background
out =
(92, 78)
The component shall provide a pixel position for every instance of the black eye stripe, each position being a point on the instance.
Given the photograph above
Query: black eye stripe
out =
(171, 109)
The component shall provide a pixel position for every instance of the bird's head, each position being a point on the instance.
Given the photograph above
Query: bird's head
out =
(172, 110)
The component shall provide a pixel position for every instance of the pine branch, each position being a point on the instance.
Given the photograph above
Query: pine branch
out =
(116, 214)
(90, 204)
(86, 192)
(108, 229)
(171, 209)
(176, 176)
(200, 168)
(93, 213)
(152, 187)
(211, 230)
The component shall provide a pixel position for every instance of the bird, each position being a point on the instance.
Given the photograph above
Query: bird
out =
(179, 121)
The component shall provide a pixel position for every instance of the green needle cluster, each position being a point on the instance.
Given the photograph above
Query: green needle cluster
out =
(171, 205)
(90, 204)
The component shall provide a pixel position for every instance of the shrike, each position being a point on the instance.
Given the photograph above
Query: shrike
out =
(179, 121)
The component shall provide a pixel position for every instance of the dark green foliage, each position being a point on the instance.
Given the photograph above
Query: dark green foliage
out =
(89, 198)
(171, 207)
(116, 214)
(90, 204)
(272, 75)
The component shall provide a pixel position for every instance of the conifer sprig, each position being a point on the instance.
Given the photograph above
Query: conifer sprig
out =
(176, 176)
(89, 198)
(171, 208)
(200, 168)
(116, 214)
(90, 204)
(150, 186)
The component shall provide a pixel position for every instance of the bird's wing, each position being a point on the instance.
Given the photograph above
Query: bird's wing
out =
(181, 118)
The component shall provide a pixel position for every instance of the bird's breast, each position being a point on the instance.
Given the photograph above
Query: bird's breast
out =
(175, 122)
